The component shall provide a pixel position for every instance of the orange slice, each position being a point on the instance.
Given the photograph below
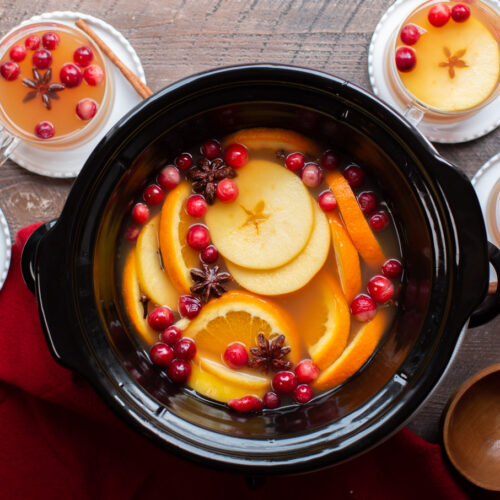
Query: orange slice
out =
(178, 256)
(360, 232)
(356, 353)
(275, 139)
(347, 258)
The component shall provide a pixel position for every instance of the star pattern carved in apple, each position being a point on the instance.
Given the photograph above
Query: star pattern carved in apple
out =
(453, 61)
(255, 216)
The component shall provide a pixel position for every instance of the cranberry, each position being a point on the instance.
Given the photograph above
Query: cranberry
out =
(410, 34)
(211, 149)
(379, 220)
(327, 201)
(306, 372)
(367, 202)
(236, 356)
(380, 289)
(160, 317)
(161, 354)
(185, 349)
(50, 40)
(303, 394)
(311, 175)
(32, 42)
(354, 175)
(363, 307)
(294, 161)
(189, 306)
(179, 371)
(9, 70)
(460, 13)
(284, 382)
(132, 233)
(330, 160)
(42, 59)
(140, 213)
(227, 190)
(392, 268)
(169, 177)
(196, 206)
(83, 56)
(236, 155)
(93, 75)
(245, 404)
(153, 194)
(45, 130)
(406, 59)
(70, 75)
(184, 161)
(209, 254)
(86, 109)
(198, 237)
(171, 335)
(271, 400)
(439, 15)
(17, 53)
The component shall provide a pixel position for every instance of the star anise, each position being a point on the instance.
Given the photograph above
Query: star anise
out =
(269, 355)
(41, 86)
(453, 61)
(208, 282)
(207, 174)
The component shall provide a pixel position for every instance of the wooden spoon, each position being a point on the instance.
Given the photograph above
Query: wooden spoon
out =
(471, 430)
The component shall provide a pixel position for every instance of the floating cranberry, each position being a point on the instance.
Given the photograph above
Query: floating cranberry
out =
(410, 34)
(380, 289)
(363, 307)
(17, 53)
(367, 202)
(209, 254)
(132, 233)
(245, 404)
(32, 42)
(354, 175)
(311, 175)
(189, 306)
(42, 59)
(83, 56)
(236, 356)
(93, 75)
(179, 371)
(439, 15)
(392, 268)
(70, 75)
(295, 161)
(327, 201)
(171, 335)
(227, 190)
(406, 59)
(169, 177)
(196, 206)
(284, 382)
(153, 194)
(211, 149)
(236, 155)
(184, 161)
(303, 394)
(45, 130)
(86, 109)
(140, 213)
(50, 40)
(271, 400)
(330, 160)
(379, 220)
(198, 237)
(306, 372)
(185, 349)
(460, 13)
(9, 70)
(161, 354)
(160, 317)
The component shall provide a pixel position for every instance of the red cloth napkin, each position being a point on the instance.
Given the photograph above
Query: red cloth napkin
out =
(58, 440)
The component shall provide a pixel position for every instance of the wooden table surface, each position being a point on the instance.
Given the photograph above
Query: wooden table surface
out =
(176, 38)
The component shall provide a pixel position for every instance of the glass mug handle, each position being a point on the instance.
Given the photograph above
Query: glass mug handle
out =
(8, 143)
(413, 115)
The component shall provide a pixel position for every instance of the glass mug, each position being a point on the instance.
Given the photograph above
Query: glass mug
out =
(442, 52)
(493, 213)
(22, 106)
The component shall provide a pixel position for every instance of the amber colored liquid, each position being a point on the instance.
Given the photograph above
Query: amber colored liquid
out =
(24, 116)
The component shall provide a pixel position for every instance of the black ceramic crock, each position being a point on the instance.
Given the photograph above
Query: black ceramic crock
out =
(71, 266)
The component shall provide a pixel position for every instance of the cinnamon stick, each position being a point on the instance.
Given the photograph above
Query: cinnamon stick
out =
(142, 89)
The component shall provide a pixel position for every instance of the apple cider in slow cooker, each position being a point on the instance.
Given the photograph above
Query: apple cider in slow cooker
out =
(260, 271)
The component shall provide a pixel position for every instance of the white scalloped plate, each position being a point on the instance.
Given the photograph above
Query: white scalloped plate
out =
(68, 163)
(5, 245)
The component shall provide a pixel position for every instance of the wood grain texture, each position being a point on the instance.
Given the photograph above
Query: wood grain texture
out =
(176, 38)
